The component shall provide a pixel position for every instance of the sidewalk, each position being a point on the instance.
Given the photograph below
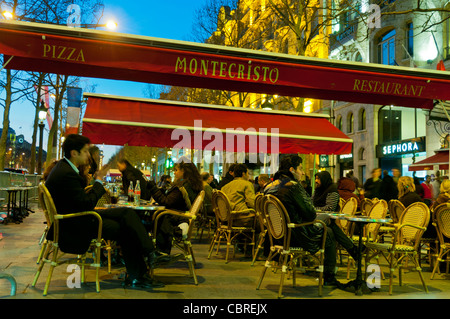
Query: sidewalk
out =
(236, 280)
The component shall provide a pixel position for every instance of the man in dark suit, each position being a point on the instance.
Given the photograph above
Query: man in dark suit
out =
(123, 225)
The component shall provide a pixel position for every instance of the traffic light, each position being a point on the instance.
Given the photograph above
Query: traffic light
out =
(169, 163)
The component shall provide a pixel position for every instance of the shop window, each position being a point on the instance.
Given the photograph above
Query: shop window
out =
(350, 123)
(362, 119)
(389, 125)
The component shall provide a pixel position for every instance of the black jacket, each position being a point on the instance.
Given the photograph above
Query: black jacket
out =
(132, 174)
(299, 206)
(67, 190)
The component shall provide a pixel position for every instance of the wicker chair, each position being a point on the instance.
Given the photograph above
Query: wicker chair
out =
(53, 254)
(259, 208)
(442, 223)
(107, 245)
(396, 209)
(366, 205)
(371, 231)
(225, 218)
(184, 242)
(280, 228)
(406, 242)
(350, 207)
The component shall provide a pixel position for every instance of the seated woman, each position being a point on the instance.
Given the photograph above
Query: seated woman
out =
(407, 195)
(444, 195)
(346, 190)
(326, 196)
(182, 193)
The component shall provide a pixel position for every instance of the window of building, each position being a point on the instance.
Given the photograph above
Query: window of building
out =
(339, 122)
(410, 39)
(446, 32)
(386, 48)
(362, 119)
(358, 57)
(350, 123)
(389, 125)
(362, 154)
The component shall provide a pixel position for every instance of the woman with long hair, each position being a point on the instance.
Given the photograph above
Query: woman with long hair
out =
(180, 196)
(407, 191)
(444, 195)
(326, 196)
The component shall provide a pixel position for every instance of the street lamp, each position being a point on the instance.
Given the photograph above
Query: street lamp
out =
(42, 115)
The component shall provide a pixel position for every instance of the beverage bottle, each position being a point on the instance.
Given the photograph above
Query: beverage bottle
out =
(137, 193)
(130, 193)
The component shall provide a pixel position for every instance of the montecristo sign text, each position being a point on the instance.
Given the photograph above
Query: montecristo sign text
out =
(229, 70)
(383, 87)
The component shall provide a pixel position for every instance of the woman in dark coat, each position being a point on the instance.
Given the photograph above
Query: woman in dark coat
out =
(346, 190)
(326, 196)
(132, 174)
(180, 196)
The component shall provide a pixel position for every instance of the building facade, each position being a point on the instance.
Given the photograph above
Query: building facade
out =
(389, 136)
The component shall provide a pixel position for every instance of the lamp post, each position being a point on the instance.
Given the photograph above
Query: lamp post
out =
(42, 115)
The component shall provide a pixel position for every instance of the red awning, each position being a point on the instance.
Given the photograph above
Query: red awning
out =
(441, 158)
(102, 54)
(115, 120)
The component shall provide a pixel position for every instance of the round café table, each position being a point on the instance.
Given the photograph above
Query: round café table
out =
(359, 284)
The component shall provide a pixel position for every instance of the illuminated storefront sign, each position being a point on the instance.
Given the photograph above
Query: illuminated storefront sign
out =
(415, 145)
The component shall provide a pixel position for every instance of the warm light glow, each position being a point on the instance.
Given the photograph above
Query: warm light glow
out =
(111, 25)
(8, 15)
(307, 106)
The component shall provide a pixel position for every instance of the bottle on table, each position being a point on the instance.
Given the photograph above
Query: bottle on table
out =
(137, 193)
(114, 195)
(130, 193)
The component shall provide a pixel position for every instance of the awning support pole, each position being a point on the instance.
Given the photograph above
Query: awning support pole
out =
(448, 117)
(9, 60)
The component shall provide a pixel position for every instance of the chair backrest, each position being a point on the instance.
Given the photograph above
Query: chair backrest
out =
(366, 205)
(396, 209)
(378, 210)
(196, 210)
(259, 209)
(341, 203)
(48, 206)
(349, 208)
(43, 206)
(277, 219)
(442, 218)
(221, 206)
(417, 214)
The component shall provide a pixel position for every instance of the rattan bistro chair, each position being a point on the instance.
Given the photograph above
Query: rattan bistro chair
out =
(226, 227)
(53, 254)
(442, 223)
(280, 228)
(405, 243)
(184, 242)
(259, 208)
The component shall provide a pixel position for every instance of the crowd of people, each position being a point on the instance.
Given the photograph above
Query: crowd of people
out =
(67, 182)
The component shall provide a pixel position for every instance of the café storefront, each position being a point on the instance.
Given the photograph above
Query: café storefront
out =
(401, 154)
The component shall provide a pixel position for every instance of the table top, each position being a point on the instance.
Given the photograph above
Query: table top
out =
(142, 206)
(356, 218)
(15, 188)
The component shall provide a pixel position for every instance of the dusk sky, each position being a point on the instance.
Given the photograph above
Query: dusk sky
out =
(155, 18)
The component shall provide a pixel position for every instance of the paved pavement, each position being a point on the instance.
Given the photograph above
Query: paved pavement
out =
(236, 280)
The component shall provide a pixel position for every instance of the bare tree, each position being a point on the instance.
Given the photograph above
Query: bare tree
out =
(46, 11)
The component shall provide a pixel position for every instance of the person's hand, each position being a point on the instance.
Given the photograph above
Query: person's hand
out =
(100, 174)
